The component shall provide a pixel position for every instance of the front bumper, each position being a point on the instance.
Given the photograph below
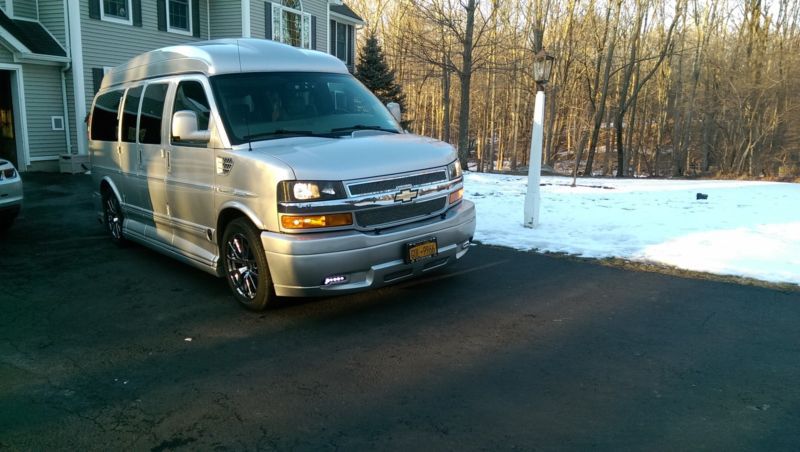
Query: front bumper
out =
(300, 263)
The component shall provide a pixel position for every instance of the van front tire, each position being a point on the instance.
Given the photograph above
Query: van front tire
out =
(245, 266)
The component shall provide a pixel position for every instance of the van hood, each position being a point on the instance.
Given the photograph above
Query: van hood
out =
(366, 154)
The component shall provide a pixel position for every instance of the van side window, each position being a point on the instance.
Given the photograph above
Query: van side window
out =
(152, 113)
(129, 113)
(191, 96)
(104, 117)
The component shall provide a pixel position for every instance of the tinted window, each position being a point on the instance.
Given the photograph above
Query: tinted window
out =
(271, 105)
(129, 113)
(104, 117)
(152, 113)
(191, 96)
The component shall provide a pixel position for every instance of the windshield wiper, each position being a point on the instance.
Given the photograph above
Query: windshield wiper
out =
(280, 133)
(363, 127)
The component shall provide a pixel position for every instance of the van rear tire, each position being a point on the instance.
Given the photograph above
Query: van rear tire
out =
(245, 267)
(113, 218)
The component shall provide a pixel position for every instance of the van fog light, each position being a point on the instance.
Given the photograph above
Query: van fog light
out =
(336, 279)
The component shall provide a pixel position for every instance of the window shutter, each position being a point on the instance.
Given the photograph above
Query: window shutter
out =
(137, 12)
(97, 78)
(332, 36)
(351, 45)
(313, 32)
(196, 18)
(94, 9)
(161, 7)
(268, 20)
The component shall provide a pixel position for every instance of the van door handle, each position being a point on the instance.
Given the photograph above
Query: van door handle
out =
(140, 157)
(169, 163)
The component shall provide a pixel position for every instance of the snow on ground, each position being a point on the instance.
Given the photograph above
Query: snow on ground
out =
(749, 229)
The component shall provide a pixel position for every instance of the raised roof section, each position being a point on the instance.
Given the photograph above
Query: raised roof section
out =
(223, 56)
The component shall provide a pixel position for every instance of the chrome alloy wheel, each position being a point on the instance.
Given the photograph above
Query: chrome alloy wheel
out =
(241, 266)
(113, 217)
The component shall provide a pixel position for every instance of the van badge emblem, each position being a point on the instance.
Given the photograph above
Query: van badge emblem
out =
(406, 195)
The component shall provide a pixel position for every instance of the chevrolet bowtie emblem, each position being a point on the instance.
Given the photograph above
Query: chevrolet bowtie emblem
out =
(406, 195)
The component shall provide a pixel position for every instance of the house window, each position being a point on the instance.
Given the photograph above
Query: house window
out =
(290, 25)
(178, 16)
(116, 11)
(340, 41)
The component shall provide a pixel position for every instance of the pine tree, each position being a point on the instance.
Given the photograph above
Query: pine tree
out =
(373, 71)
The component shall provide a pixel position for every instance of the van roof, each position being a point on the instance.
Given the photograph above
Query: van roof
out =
(222, 56)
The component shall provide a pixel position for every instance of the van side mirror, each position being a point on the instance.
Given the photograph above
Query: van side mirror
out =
(184, 127)
(394, 109)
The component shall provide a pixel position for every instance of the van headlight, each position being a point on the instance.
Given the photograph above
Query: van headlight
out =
(454, 170)
(296, 190)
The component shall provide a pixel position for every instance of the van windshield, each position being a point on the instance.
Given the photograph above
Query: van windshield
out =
(269, 105)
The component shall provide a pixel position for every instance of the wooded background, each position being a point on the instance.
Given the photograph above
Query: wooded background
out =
(654, 87)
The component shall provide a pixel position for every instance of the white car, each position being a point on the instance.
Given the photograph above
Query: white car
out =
(10, 194)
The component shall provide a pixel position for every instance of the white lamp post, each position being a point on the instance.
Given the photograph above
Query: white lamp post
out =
(542, 65)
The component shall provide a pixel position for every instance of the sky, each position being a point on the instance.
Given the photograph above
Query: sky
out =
(749, 229)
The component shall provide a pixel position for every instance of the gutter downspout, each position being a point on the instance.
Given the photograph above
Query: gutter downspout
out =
(78, 82)
(67, 131)
(208, 17)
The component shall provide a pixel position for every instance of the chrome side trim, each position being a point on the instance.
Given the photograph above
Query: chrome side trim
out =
(235, 192)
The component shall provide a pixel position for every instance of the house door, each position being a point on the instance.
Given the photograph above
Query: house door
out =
(8, 141)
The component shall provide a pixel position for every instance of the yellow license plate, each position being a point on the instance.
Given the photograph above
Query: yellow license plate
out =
(421, 250)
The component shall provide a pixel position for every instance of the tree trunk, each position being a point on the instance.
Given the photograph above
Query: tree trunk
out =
(466, 80)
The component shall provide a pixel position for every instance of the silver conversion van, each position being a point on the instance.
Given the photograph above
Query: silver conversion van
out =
(274, 168)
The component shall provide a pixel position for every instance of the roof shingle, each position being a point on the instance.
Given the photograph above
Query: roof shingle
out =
(32, 35)
(345, 10)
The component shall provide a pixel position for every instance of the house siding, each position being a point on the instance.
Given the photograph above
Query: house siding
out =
(43, 100)
(25, 9)
(5, 55)
(226, 19)
(107, 44)
(319, 8)
(51, 16)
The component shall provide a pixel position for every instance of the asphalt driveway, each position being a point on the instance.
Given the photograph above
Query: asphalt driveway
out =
(104, 348)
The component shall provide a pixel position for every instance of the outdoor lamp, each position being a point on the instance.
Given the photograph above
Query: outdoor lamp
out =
(542, 66)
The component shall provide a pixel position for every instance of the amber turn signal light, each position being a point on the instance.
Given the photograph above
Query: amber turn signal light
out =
(456, 196)
(316, 221)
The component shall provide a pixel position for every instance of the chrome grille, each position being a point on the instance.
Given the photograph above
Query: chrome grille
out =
(384, 185)
(392, 214)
